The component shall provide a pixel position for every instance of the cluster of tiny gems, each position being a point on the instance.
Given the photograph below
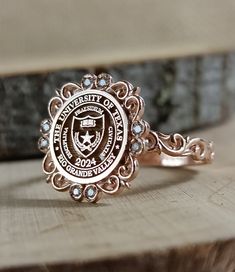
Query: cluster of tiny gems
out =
(43, 142)
(137, 130)
(103, 81)
(89, 193)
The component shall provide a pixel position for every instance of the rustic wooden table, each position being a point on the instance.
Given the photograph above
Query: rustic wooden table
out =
(171, 220)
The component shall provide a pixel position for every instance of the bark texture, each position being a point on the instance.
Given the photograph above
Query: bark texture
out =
(180, 95)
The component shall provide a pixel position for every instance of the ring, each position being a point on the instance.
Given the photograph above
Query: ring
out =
(96, 138)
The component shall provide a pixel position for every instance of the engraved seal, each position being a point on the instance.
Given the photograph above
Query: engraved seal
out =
(95, 137)
(89, 136)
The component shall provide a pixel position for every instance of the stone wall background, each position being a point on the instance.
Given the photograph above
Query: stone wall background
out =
(180, 95)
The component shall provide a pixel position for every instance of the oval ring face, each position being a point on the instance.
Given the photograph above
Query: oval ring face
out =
(89, 136)
(96, 134)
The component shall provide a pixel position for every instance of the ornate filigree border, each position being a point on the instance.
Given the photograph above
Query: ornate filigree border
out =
(161, 148)
(133, 104)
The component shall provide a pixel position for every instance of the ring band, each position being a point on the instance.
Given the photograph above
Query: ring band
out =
(96, 137)
(175, 150)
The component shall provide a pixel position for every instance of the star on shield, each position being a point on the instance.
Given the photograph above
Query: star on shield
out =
(87, 133)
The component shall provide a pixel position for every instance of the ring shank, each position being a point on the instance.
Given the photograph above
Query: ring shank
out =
(175, 151)
(154, 159)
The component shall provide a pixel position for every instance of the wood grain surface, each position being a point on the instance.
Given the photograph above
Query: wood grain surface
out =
(48, 35)
(171, 219)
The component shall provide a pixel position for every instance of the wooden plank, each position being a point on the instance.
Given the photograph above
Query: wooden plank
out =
(167, 209)
(48, 35)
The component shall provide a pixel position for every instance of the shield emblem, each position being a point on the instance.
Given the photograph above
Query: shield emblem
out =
(87, 133)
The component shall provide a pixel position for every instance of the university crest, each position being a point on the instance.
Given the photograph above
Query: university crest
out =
(87, 133)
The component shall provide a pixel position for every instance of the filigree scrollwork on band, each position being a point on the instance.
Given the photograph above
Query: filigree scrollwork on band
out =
(153, 142)
(176, 145)
(173, 144)
(199, 149)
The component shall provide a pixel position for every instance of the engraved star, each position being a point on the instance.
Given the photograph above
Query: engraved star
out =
(117, 146)
(87, 138)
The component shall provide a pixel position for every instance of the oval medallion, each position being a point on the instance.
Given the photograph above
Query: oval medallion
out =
(89, 136)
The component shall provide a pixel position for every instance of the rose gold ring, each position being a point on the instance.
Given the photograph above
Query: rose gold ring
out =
(96, 137)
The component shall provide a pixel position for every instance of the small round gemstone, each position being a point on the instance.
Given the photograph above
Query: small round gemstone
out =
(102, 82)
(137, 128)
(90, 192)
(76, 192)
(136, 147)
(43, 144)
(45, 126)
(87, 81)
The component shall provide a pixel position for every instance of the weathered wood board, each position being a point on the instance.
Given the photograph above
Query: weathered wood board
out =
(171, 220)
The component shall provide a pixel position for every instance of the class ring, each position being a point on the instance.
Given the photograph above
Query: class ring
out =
(95, 138)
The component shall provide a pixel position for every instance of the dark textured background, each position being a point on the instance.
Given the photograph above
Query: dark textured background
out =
(180, 95)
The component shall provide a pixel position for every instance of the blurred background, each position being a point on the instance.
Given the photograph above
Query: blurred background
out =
(182, 55)
(179, 52)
